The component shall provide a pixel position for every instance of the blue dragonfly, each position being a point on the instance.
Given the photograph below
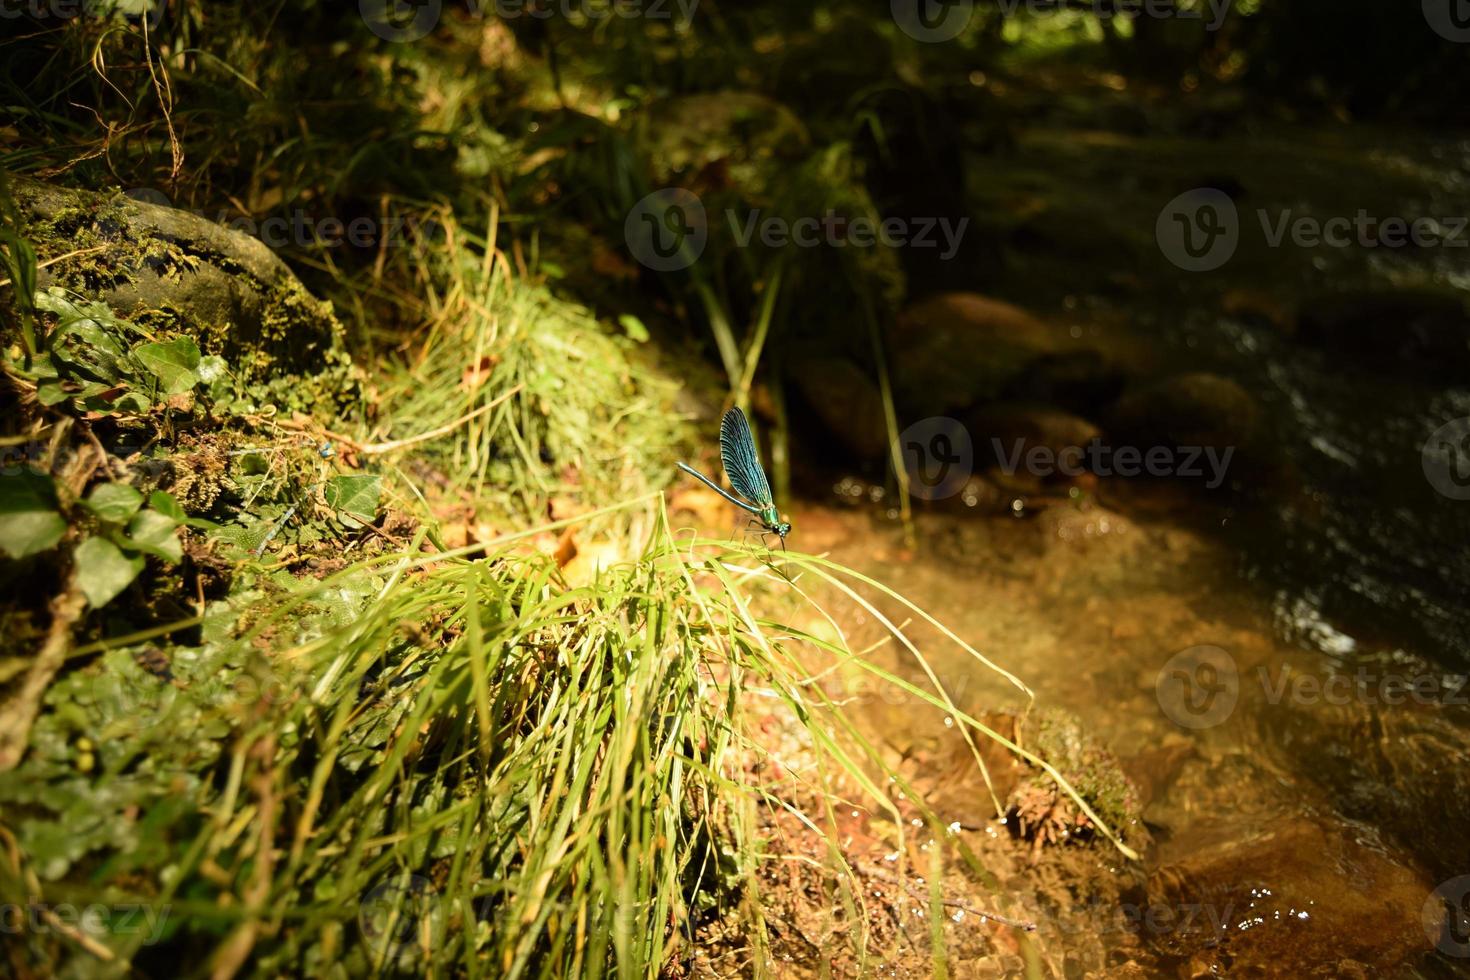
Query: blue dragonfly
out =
(743, 467)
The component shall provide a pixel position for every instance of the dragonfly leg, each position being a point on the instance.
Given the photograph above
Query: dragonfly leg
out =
(750, 524)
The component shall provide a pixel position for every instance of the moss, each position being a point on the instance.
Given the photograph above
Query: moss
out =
(174, 273)
(1045, 815)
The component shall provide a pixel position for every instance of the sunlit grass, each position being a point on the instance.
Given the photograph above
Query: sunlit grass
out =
(491, 772)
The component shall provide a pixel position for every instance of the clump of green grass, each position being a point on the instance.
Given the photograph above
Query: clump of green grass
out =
(472, 768)
(535, 400)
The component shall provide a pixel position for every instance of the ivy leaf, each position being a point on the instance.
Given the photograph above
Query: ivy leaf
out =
(156, 534)
(167, 505)
(174, 362)
(83, 342)
(164, 502)
(30, 521)
(103, 570)
(50, 392)
(354, 497)
(114, 502)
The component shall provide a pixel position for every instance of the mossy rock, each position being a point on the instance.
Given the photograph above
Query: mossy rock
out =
(174, 272)
(714, 140)
(1044, 815)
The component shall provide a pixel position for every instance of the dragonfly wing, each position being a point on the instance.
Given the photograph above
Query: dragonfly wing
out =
(742, 465)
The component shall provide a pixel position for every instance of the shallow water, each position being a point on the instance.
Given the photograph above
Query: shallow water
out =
(1299, 808)
(1280, 670)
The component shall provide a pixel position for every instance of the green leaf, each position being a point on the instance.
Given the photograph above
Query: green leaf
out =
(84, 341)
(114, 502)
(355, 497)
(50, 394)
(156, 534)
(30, 521)
(164, 502)
(633, 327)
(174, 362)
(20, 262)
(103, 570)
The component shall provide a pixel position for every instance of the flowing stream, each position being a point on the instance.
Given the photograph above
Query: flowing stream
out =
(1280, 670)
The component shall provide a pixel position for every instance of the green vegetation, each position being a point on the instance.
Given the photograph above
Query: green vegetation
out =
(350, 633)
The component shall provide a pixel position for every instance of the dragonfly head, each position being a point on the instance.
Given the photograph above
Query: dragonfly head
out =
(771, 518)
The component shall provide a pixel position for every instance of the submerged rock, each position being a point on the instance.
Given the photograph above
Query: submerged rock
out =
(1407, 330)
(1297, 900)
(1195, 411)
(1082, 382)
(958, 349)
(1007, 433)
